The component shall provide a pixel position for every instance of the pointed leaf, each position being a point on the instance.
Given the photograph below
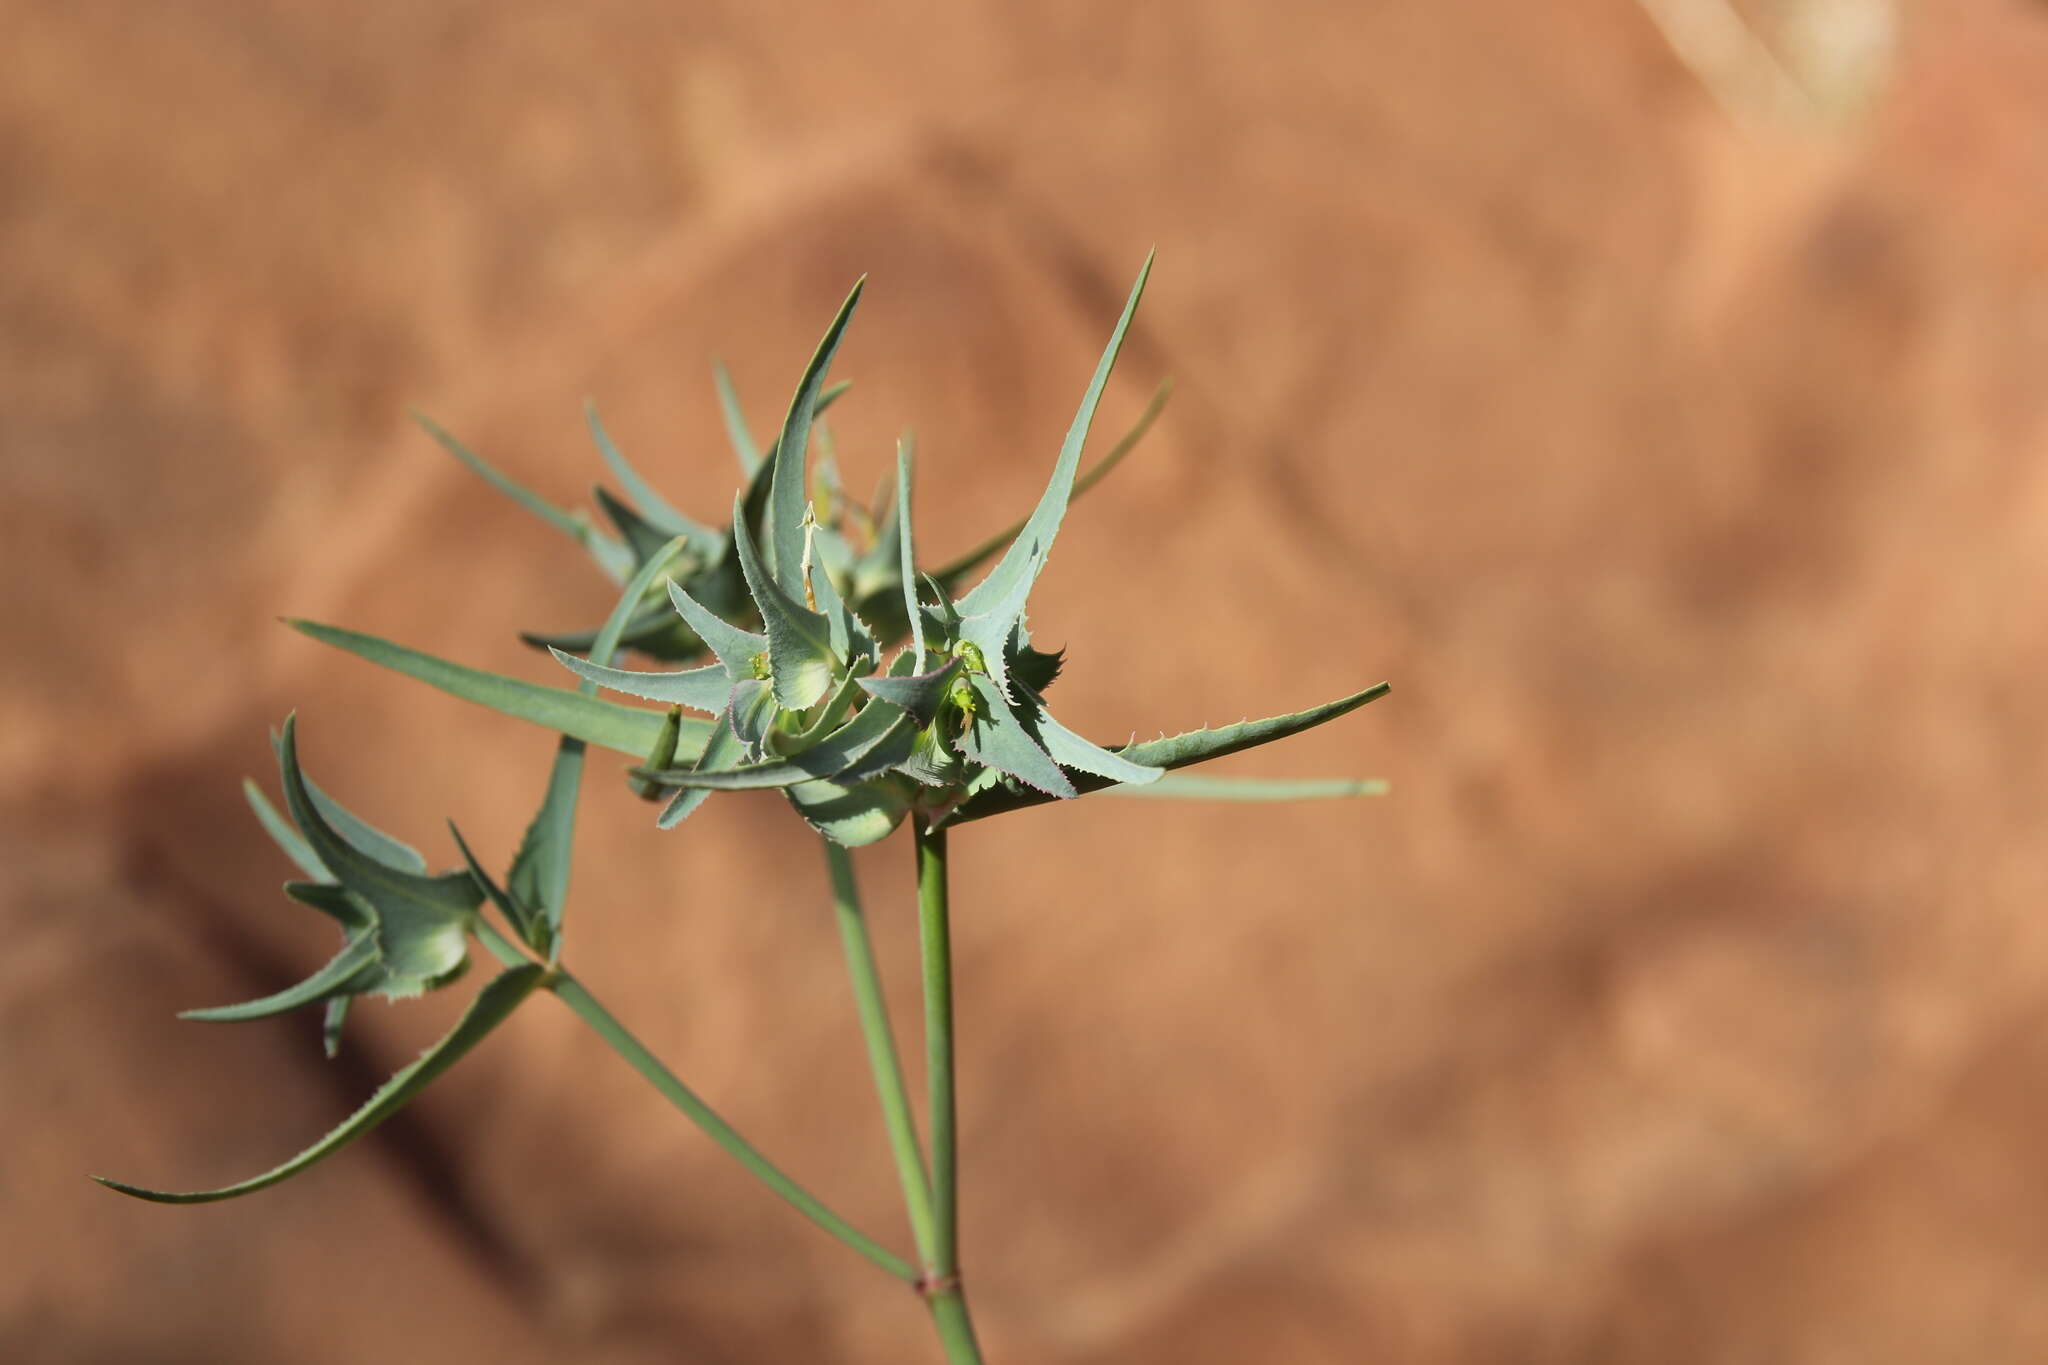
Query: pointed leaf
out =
(706, 542)
(907, 557)
(919, 694)
(743, 445)
(626, 729)
(1180, 751)
(734, 648)
(340, 971)
(611, 556)
(701, 689)
(958, 568)
(1025, 558)
(1193, 787)
(519, 916)
(788, 494)
(354, 914)
(491, 1006)
(280, 829)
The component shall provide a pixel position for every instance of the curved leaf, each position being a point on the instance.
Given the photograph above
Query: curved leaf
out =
(1025, 558)
(486, 1012)
(336, 976)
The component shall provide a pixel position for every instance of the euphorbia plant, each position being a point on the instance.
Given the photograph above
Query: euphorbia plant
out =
(870, 692)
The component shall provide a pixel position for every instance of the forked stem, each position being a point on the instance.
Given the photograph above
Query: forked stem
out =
(571, 993)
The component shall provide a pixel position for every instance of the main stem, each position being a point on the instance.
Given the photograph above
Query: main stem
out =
(882, 1055)
(571, 993)
(941, 1285)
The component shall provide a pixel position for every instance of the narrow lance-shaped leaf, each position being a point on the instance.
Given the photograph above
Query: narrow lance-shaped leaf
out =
(788, 490)
(611, 556)
(908, 566)
(1194, 787)
(520, 916)
(736, 430)
(1026, 555)
(625, 729)
(1180, 751)
(645, 496)
(343, 968)
(966, 563)
(735, 649)
(742, 439)
(700, 689)
(486, 1012)
(280, 829)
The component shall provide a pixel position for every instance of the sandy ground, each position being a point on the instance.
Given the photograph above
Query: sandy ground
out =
(1686, 1002)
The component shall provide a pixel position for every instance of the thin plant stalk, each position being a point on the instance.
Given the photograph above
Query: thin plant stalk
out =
(572, 993)
(882, 1054)
(941, 1287)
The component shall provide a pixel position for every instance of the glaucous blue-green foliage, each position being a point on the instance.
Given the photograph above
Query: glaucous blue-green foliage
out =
(822, 661)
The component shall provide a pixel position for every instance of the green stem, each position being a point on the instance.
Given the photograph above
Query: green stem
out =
(586, 1007)
(941, 1285)
(882, 1054)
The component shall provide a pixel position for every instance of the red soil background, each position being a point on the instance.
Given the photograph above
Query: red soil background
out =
(1686, 1002)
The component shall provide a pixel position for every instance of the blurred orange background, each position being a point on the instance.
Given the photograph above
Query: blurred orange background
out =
(1656, 401)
